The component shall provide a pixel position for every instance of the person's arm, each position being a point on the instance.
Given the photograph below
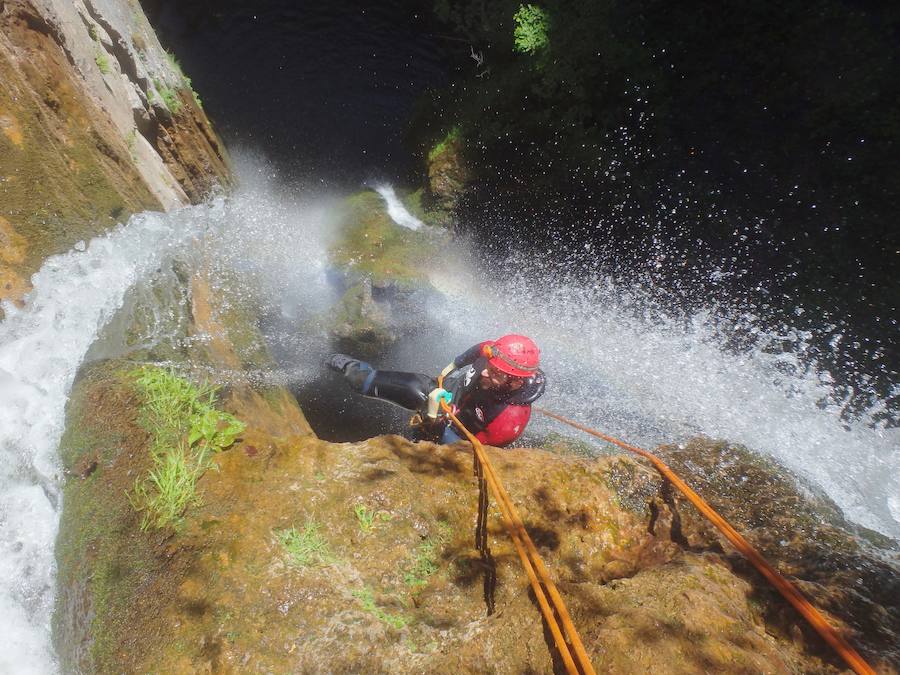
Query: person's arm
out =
(506, 427)
(464, 359)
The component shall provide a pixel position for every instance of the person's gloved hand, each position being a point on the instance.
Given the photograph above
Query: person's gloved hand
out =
(434, 401)
(449, 369)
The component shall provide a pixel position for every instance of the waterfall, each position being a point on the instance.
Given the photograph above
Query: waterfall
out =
(42, 346)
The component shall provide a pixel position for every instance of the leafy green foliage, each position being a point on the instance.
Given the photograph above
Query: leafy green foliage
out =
(441, 146)
(365, 517)
(102, 61)
(169, 489)
(306, 547)
(532, 26)
(186, 429)
(367, 598)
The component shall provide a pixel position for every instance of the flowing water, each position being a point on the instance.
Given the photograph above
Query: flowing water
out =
(41, 348)
(613, 359)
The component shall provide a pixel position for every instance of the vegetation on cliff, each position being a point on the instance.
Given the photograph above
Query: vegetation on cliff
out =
(186, 429)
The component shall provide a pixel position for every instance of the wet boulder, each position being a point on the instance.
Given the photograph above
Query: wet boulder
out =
(846, 570)
(377, 267)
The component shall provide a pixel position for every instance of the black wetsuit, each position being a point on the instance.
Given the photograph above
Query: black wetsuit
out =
(494, 417)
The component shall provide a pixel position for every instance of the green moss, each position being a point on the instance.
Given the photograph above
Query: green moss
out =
(424, 564)
(425, 561)
(367, 599)
(102, 61)
(56, 194)
(98, 556)
(415, 204)
(374, 246)
(453, 135)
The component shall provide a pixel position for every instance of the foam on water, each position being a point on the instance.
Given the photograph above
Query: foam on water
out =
(41, 347)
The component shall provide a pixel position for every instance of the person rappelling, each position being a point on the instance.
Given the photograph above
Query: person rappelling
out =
(490, 388)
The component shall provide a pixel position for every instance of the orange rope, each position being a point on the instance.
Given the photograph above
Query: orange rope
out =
(531, 561)
(785, 587)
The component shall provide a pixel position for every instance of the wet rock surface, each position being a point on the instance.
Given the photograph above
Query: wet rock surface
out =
(379, 266)
(849, 572)
(394, 582)
(448, 172)
(96, 122)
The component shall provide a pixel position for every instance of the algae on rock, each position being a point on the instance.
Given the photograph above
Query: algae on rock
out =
(382, 269)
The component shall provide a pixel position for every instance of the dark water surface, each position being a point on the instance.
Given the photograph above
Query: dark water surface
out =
(325, 90)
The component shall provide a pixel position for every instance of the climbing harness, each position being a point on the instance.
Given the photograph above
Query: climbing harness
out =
(785, 587)
(569, 645)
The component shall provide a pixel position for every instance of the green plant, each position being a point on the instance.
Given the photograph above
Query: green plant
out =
(185, 429)
(102, 61)
(365, 517)
(425, 560)
(532, 26)
(452, 135)
(424, 564)
(185, 80)
(305, 547)
(169, 488)
(168, 95)
(367, 598)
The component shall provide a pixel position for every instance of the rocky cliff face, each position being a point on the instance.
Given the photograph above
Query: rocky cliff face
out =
(97, 122)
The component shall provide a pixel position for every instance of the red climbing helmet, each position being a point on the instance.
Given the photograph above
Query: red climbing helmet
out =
(513, 354)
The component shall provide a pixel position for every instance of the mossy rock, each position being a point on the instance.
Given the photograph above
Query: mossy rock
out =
(448, 171)
(382, 269)
(381, 573)
(373, 246)
(804, 534)
(422, 206)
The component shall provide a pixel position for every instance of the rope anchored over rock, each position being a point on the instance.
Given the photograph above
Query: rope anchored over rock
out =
(565, 636)
(782, 585)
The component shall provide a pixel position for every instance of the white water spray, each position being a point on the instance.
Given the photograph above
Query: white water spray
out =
(41, 348)
(616, 363)
(395, 208)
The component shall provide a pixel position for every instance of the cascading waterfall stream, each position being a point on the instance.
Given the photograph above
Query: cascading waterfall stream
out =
(41, 347)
